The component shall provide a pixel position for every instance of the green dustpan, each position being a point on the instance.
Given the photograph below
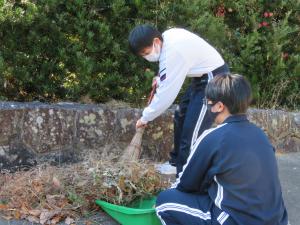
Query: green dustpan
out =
(140, 212)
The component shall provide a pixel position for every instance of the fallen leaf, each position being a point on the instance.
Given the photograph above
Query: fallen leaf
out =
(33, 219)
(56, 219)
(63, 202)
(56, 182)
(47, 215)
(3, 207)
(82, 183)
(17, 215)
(51, 199)
(35, 212)
(121, 183)
(37, 186)
(24, 209)
(69, 220)
(7, 217)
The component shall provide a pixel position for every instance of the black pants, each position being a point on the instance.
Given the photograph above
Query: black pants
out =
(190, 120)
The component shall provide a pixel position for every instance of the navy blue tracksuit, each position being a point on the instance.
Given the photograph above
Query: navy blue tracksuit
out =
(191, 119)
(230, 178)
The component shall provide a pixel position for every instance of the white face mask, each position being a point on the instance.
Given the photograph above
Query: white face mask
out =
(153, 56)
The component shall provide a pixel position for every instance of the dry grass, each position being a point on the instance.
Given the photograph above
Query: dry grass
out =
(275, 101)
(48, 194)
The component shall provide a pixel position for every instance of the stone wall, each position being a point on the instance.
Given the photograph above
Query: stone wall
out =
(34, 132)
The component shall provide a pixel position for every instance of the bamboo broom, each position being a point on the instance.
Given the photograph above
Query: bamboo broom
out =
(133, 150)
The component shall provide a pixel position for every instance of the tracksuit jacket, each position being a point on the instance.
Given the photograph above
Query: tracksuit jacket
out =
(235, 166)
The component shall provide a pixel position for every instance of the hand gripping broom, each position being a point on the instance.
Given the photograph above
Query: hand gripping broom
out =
(133, 150)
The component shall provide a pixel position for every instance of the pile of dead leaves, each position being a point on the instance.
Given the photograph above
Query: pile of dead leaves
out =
(48, 195)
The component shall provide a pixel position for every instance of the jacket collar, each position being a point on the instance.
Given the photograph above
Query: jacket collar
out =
(236, 118)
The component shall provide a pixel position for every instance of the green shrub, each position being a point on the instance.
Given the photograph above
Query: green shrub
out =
(56, 50)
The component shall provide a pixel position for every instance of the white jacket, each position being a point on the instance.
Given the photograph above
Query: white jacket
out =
(183, 54)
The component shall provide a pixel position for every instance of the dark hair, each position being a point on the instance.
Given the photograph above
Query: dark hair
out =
(232, 90)
(141, 37)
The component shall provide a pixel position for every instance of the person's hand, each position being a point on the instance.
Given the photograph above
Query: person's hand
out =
(140, 124)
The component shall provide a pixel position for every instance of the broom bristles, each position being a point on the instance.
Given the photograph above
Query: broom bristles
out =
(133, 151)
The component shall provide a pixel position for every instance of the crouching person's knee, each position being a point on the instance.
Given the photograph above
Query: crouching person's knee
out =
(163, 200)
(165, 197)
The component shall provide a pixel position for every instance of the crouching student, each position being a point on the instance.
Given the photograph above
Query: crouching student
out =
(231, 175)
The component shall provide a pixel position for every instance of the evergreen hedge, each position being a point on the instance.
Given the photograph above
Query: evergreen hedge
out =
(54, 50)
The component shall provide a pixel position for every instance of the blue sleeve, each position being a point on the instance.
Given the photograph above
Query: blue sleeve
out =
(199, 170)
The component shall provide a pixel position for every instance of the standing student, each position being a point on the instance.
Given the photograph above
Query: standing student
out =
(180, 54)
(231, 175)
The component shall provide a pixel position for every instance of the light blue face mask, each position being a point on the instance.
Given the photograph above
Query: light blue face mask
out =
(153, 56)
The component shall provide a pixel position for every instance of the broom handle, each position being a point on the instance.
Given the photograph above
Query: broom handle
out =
(141, 129)
(152, 93)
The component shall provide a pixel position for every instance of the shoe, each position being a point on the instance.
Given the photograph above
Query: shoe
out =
(172, 162)
(165, 168)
